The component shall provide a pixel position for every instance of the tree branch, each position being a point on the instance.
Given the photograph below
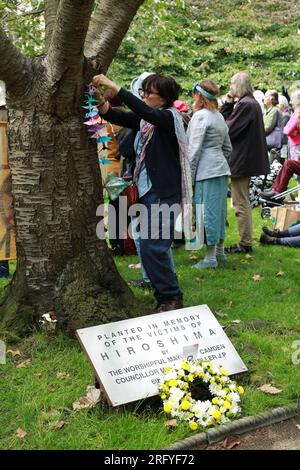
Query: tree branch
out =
(109, 24)
(51, 7)
(14, 67)
(65, 54)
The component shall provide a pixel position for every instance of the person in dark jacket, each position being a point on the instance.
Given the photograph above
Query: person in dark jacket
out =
(157, 173)
(249, 155)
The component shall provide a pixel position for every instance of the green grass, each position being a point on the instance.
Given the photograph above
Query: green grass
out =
(269, 314)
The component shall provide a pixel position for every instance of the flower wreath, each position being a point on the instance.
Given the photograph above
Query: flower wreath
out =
(178, 401)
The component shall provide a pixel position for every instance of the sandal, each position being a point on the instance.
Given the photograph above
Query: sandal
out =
(237, 248)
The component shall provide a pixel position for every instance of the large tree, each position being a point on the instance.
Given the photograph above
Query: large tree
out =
(62, 265)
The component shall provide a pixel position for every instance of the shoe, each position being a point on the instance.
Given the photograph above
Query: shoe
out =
(203, 264)
(140, 283)
(170, 304)
(267, 194)
(267, 240)
(238, 248)
(271, 233)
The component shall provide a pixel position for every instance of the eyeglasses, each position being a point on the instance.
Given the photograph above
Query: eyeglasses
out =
(145, 93)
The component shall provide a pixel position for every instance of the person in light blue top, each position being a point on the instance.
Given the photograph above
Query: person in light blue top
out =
(209, 147)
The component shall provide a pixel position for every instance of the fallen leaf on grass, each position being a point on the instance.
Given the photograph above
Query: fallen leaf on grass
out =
(268, 388)
(222, 290)
(284, 349)
(171, 423)
(14, 353)
(298, 426)
(200, 278)
(220, 313)
(193, 257)
(62, 375)
(135, 266)
(20, 433)
(257, 277)
(236, 321)
(248, 256)
(280, 274)
(51, 388)
(244, 261)
(23, 364)
(89, 401)
(230, 442)
(46, 415)
(56, 424)
(288, 290)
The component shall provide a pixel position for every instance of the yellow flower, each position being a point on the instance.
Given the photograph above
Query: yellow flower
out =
(215, 401)
(227, 405)
(228, 398)
(165, 388)
(216, 415)
(210, 423)
(224, 372)
(212, 380)
(167, 369)
(163, 396)
(185, 386)
(185, 405)
(241, 390)
(185, 366)
(167, 408)
(193, 425)
(173, 383)
(190, 378)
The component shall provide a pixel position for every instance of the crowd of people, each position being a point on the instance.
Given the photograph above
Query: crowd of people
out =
(179, 157)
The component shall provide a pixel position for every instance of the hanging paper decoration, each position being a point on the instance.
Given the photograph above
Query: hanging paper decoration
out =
(96, 125)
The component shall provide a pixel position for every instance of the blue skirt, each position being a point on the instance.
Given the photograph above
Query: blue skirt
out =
(212, 195)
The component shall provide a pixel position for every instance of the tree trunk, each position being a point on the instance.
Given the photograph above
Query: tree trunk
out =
(62, 265)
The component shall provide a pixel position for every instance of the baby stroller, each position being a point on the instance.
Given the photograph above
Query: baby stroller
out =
(278, 200)
(261, 183)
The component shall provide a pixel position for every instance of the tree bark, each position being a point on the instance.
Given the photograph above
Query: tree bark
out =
(62, 266)
(108, 26)
(51, 7)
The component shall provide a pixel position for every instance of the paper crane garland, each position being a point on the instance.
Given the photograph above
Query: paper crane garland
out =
(95, 122)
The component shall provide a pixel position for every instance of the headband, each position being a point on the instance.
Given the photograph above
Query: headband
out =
(207, 95)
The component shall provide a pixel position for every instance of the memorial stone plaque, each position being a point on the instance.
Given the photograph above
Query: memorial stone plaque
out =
(129, 357)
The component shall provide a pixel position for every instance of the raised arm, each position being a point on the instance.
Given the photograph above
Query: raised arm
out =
(122, 118)
(159, 117)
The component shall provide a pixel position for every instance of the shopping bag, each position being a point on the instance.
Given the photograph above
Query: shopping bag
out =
(285, 216)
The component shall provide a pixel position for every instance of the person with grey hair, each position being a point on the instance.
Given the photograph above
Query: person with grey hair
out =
(249, 155)
(292, 165)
